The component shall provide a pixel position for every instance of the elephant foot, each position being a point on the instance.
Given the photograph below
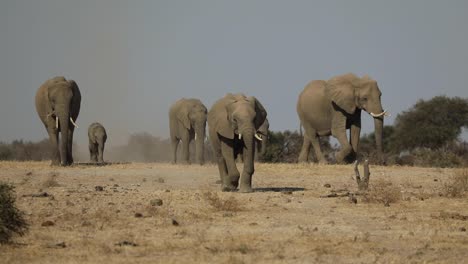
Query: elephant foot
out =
(245, 189)
(302, 159)
(228, 188)
(340, 158)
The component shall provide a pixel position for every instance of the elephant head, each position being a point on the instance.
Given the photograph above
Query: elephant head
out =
(192, 115)
(350, 93)
(244, 116)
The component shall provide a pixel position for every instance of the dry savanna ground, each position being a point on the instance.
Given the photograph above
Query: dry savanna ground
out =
(163, 213)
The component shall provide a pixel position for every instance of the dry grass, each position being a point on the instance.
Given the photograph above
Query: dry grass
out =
(457, 185)
(383, 191)
(230, 204)
(121, 224)
(51, 181)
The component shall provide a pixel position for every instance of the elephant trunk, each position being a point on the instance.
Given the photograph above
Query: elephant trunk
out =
(200, 144)
(262, 148)
(378, 125)
(64, 121)
(248, 135)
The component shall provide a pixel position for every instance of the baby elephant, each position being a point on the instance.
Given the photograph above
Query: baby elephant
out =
(97, 139)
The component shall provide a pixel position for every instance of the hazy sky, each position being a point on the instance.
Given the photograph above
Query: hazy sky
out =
(132, 59)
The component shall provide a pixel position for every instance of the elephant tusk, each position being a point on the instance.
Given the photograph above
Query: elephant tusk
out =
(384, 113)
(240, 136)
(56, 122)
(71, 120)
(258, 137)
(195, 136)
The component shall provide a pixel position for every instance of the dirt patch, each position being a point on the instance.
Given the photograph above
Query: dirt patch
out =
(148, 212)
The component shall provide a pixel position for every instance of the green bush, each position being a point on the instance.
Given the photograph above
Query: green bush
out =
(11, 219)
(434, 123)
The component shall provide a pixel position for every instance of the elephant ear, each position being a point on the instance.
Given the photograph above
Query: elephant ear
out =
(76, 99)
(342, 93)
(220, 118)
(260, 111)
(183, 116)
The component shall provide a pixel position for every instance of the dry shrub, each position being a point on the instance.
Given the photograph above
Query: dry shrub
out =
(457, 186)
(383, 191)
(11, 219)
(219, 204)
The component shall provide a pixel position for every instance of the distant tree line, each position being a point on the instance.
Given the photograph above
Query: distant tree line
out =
(427, 134)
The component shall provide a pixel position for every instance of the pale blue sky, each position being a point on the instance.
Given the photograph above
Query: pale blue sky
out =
(132, 59)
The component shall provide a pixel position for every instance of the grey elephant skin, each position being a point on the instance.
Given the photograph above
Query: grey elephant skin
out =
(233, 122)
(97, 136)
(330, 107)
(58, 104)
(260, 144)
(187, 122)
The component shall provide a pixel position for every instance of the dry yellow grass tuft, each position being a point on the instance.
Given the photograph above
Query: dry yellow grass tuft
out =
(51, 181)
(457, 186)
(383, 191)
(230, 204)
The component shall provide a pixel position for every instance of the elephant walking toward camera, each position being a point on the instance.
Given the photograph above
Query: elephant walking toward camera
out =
(58, 104)
(97, 139)
(330, 107)
(233, 123)
(187, 122)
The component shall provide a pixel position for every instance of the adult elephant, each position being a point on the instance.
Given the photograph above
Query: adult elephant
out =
(233, 122)
(97, 136)
(330, 107)
(58, 104)
(187, 122)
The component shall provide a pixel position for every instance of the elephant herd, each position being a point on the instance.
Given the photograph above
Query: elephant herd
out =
(237, 124)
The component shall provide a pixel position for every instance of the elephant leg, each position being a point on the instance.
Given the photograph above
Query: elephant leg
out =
(311, 138)
(318, 150)
(304, 154)
(100, 150)
(231, 181)
(92, 151)
(346, 148)
(70, 145)
(54, 141)
(247, 172)
(186, 148)
(355, 132)
(220, 160)
(174, 145)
